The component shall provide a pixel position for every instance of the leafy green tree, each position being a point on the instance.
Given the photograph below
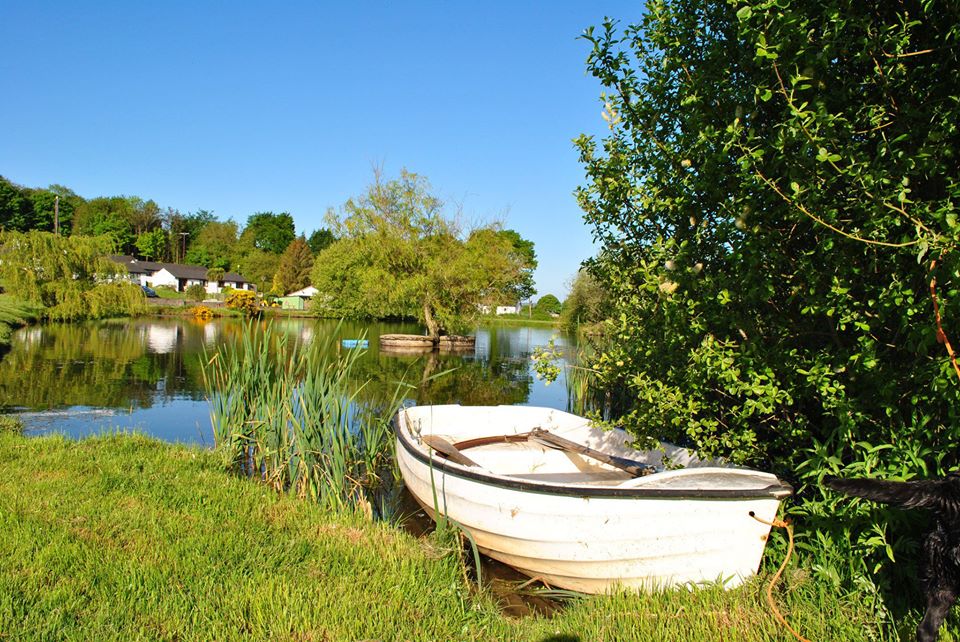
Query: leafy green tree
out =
(69, 202)
(71, 277)
(524, 249)
(296, 263)
(259, 267)
(399, 256)
(320, 240)
(777, 189)
(184, 230)
(151, 245)
(215, 274)
(214, 245)
(16, 208)
(548, 304)
(270, 232)
(45, 206)
(144, 215)
(107, 216)
(588, 302)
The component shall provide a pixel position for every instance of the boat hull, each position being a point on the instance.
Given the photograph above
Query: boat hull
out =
(596, 540)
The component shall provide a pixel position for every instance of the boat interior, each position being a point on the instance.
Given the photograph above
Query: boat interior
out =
(544, 445)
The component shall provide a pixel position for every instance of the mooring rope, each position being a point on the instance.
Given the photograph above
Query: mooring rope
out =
(779, 523)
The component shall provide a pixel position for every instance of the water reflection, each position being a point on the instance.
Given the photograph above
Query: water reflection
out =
(145, 374)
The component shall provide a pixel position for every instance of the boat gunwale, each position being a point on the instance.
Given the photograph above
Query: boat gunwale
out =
(778, 491)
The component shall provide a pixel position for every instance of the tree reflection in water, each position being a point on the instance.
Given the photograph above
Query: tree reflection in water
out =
(139, 365)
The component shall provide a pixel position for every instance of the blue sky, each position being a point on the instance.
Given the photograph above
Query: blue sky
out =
(240, 107)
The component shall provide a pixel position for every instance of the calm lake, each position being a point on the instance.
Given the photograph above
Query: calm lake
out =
(145, 374)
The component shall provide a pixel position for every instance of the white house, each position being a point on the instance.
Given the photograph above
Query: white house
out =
(178, 276)
(500, 309)
(306, 293)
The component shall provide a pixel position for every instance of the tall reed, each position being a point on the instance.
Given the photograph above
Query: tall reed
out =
(291, 414)
(587, 393)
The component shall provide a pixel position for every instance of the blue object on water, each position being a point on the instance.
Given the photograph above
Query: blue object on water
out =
(354, 343)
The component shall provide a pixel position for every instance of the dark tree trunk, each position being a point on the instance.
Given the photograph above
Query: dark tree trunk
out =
(433, 328)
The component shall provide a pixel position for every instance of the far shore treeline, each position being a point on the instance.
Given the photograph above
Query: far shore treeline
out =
(393, 252)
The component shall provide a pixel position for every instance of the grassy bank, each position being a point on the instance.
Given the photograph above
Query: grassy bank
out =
(123, 537)
(13, 314)
(516, 319)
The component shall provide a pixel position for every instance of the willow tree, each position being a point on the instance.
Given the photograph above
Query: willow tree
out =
(397, 254)
(70, 277)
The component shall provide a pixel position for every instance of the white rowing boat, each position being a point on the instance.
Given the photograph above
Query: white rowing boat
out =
(575, 506)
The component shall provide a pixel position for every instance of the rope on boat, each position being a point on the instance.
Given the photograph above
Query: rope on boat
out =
(780, 523)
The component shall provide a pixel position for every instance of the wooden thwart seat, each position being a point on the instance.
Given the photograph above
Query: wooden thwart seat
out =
(539, 436)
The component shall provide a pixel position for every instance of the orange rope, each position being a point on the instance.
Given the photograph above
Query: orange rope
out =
(773, 605)
(941, 335)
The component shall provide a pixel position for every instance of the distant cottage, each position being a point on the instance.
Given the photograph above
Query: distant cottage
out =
(298, 300)
(178, 276)
(500, 309)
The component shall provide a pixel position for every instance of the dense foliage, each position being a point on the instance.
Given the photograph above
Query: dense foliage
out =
(588, 302)
(140, 227)
(243, 301)
(23, 209)
(195, 292)
(214, 245)
(270, 232)
(398, 255)
(778, 188)
(320, 240)
(69, 277)
(548, 304)
(293, 272)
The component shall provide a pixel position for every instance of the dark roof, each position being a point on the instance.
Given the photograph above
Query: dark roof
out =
(179, 270)
(197, 272)
(185, 271)
(136, 266)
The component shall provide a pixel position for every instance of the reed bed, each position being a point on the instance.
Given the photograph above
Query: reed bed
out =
(587, 395)
(292, 415)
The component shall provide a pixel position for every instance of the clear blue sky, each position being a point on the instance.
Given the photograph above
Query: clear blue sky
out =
(240, 107)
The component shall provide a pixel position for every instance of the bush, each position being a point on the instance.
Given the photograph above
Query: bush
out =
(202, 313)
(243, 300)
(548, 304)
(195, 292)
(772, 202)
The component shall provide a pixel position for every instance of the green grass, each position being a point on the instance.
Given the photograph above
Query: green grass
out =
(516, 319)
(124, 537)
(13, 314)
(11, 424)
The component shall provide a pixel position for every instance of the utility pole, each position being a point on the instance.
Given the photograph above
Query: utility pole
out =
(56, 215)
(183, 241)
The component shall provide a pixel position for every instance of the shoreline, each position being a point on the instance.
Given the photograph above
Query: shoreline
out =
(160, 541)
